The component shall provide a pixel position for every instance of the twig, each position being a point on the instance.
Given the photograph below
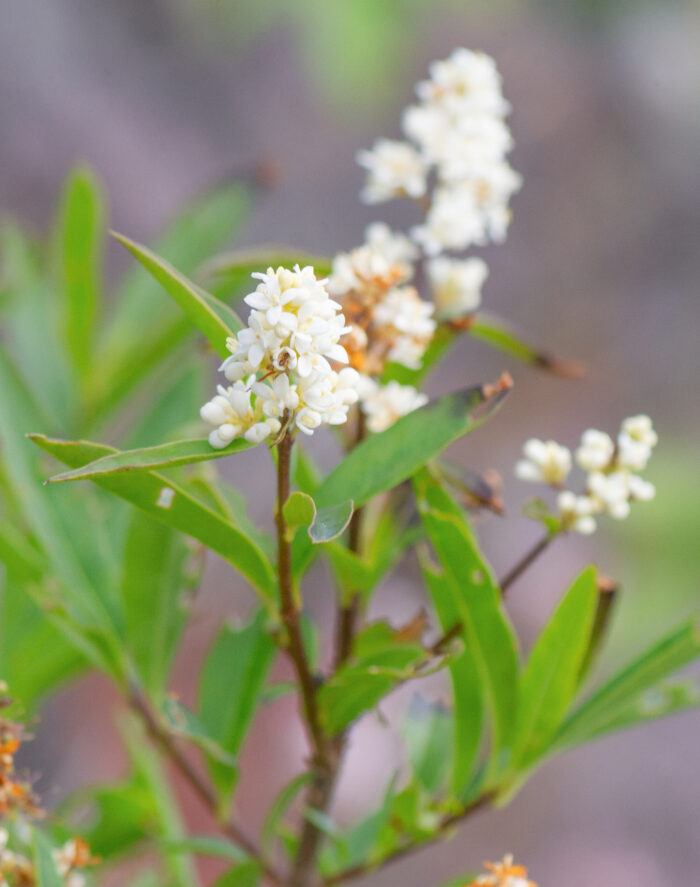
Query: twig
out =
(324, 758)
(348, 616)
(525, 562)
(411, 847)
(170, 748)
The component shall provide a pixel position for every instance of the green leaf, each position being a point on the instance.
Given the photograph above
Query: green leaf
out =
(279, 808)
(174, 506)
(228, 274)
(196, 233)
(235, 670)
(168, 824)
(324, 524)
(598, 714)
(46, 871)
(213, 318)
(168, 455)
(153, 586)
(35, 658)
(486, 630)
(429, 736)
(80, 246)
(467, 689)
(246, 875)
(180, 721)
(498, 334)
(384, 460)
(207, 845)
(551, 676)
(381, 660)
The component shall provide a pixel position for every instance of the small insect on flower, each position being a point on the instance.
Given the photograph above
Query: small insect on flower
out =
(544, 462)
(503, 874)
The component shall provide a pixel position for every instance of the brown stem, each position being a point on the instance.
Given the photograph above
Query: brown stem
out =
(167, 743)
(411, 847)
(323, 758)
(325, 778)
(290, 611)
(525, 562)
(349, 614)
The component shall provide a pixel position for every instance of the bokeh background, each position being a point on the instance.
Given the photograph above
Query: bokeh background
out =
(166, 97)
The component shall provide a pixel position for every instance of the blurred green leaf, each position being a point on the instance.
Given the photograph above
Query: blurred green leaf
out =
(384, 460)
(551, 676)
(485, 627)
(212, 317)
(206, 845)
(248, 874)
(280, 806)
(624, 692)
(467, 686)
(381, 660)
(428, 733)
(46, 870)
(153, 584)
(168, 826)
(171, 504)
(235, 670)
(180, 721)
(168, 455)
(81, 236)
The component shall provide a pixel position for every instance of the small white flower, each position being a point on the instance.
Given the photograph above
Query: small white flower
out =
(385, 404)
(596, 450)
(395, 169)
(639, 489)
(467, 82)
(405, 322)
(544, 462)
(632, 454)
(456, 285)
(612, 492)
(640, 428)
(577, 512)
(307, 420)
(454, 221)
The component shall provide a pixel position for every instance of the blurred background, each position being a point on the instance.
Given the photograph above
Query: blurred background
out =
(166, 97)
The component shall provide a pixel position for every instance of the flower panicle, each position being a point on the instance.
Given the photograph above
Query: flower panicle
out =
(611, 466)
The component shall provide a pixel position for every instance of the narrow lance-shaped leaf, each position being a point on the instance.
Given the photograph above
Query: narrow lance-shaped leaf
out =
(169, 455)
(486, 631)
(213, 318)
(384, 460)
(674, 651)
(80, 245)
(173, 505)
(551, 676)
(235, 670)
(155, 575)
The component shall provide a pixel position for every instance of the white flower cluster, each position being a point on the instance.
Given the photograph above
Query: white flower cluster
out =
(405, 322)
(384, 260)
(294, 328)
(385, 404)
(387, 319)
(611, 483)
(458, 132)
(456, 284)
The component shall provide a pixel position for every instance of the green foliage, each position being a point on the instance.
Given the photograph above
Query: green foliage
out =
(101, 575)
